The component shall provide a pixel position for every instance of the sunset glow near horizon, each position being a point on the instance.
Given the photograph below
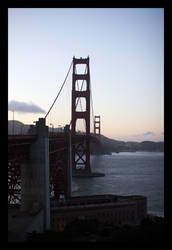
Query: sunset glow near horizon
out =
(126, 51)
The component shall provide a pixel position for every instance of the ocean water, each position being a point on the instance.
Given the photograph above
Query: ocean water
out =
(127, 173)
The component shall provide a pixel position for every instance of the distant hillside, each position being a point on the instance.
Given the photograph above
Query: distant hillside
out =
(107, 145)
(19, 127)
(151, 146)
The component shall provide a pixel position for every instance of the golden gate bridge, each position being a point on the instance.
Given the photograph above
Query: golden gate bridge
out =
(41, 165)
(19, 145)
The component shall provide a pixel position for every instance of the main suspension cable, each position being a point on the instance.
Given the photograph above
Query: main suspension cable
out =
(59, 90)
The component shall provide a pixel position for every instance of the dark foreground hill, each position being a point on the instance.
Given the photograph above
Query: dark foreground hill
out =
(150, 232)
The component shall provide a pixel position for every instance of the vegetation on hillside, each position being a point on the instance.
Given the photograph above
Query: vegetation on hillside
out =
(150, 231)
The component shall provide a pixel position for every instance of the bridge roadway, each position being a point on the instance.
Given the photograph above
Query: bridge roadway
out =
(19, 153)
(18, 145)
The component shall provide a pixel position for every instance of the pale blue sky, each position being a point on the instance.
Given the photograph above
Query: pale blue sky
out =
(126, 50)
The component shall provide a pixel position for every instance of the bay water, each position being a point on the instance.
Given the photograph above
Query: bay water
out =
(126, 173)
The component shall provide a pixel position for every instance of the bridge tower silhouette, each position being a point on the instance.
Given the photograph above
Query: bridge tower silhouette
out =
(97, 124)
(81, 151)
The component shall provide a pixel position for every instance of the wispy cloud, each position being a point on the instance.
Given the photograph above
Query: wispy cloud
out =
(149, 133)
(24, 107)
(142, 135)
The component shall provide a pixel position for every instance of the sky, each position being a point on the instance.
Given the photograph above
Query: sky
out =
(126, 51)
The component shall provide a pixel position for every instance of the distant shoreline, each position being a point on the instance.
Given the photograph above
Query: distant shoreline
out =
(110, 153)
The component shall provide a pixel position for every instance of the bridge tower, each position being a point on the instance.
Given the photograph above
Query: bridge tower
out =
(81, 151)
(97, 124)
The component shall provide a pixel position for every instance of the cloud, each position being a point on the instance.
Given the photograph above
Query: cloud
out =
(149, 133)
(24, 107)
